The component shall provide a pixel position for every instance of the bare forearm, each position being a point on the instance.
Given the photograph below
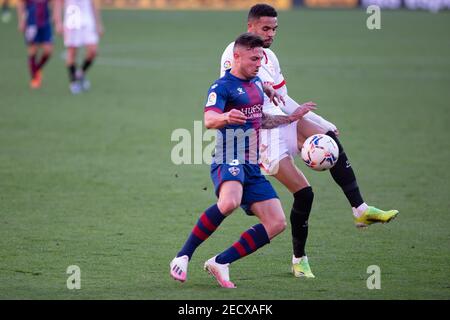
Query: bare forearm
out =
(214, 120)
(290, 105)
(273, 121)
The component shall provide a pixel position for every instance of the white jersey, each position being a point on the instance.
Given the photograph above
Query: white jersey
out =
(270, 73)
(279, 142)
(79, 14)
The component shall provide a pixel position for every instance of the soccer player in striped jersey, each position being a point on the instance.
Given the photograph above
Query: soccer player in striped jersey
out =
(282, 144)
(34, 22)
(234, 108)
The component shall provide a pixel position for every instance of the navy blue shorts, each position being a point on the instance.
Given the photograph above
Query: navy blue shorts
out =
(255, 186)
(35, 34)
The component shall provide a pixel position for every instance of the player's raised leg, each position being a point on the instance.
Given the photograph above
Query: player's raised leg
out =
(343, 174)
(229, 199)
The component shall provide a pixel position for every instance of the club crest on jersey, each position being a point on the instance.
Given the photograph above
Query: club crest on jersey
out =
(240, 90)
(212, 98)
(234, 171)
(227, 64)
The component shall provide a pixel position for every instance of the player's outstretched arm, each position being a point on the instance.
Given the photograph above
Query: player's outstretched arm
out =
(215, 120)
(291, 106)
(273, 121)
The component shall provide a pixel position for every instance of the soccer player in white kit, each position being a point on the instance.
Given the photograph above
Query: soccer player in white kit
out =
(82, 27)
(280, 145)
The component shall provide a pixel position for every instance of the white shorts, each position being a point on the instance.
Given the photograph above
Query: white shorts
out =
(277, 144)
(80, 37)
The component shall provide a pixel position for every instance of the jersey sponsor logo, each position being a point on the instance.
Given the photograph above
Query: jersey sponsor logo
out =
(212, 99)
(253, 111)
(234, 171)
(227, 64)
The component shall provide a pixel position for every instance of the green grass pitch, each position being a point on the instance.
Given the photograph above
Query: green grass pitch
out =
(88, 180)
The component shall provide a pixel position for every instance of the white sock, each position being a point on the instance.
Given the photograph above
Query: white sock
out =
(297, 260)
(357, 212)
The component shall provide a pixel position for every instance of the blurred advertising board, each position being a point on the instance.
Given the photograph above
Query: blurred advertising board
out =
(192, 4)
(431, 5)
(331, 3)
(383, 4)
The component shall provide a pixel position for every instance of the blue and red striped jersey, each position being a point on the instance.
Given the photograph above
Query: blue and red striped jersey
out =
(237, 142)
(38, 12)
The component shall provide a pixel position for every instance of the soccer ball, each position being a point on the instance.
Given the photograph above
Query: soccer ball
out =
(320, 152)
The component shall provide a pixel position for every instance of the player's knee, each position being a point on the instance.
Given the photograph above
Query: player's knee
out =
(227, 206)
(92, 53)
(70, 58)
(280, 225)
(48, 50)
(335, 138)
(298, 184)
(276, 226)
(303, 200)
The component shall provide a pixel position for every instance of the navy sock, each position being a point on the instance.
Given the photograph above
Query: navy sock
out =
(250, 241)
(301, 209)
(206, 225)
(71, 69)
(86, 64)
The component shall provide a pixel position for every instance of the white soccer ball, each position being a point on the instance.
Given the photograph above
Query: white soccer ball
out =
(320, 152)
